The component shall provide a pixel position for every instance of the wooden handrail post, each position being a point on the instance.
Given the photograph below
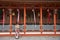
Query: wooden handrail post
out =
(41, 20)
(24, 20)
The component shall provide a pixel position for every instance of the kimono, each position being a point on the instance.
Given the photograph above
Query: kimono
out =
(17, 31)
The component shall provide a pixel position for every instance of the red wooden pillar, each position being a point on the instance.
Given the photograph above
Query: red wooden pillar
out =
(48, 16)
(18, 16)
(24, 20)
(41, 20)
(10, 10)
(3, 19)
(55, 11)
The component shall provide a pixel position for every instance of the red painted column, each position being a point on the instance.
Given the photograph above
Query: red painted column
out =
(55, 12)
(3, 19)
(24, 20)
(41, 20)
(10, 12)
(48, 16)
(18, 16)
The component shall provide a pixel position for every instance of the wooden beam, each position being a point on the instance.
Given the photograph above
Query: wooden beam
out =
(2, 35)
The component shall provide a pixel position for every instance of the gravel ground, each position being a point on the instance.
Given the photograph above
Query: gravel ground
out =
(32, 38)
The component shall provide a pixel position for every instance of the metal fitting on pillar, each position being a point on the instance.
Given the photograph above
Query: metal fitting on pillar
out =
(55, 11)
(47, 10)
(10, 10)
(17, 10)
(3, 10)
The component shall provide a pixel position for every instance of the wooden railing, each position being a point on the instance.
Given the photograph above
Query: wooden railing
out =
(41, 21)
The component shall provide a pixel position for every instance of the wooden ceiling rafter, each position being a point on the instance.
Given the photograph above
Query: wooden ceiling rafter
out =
(7, 4)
